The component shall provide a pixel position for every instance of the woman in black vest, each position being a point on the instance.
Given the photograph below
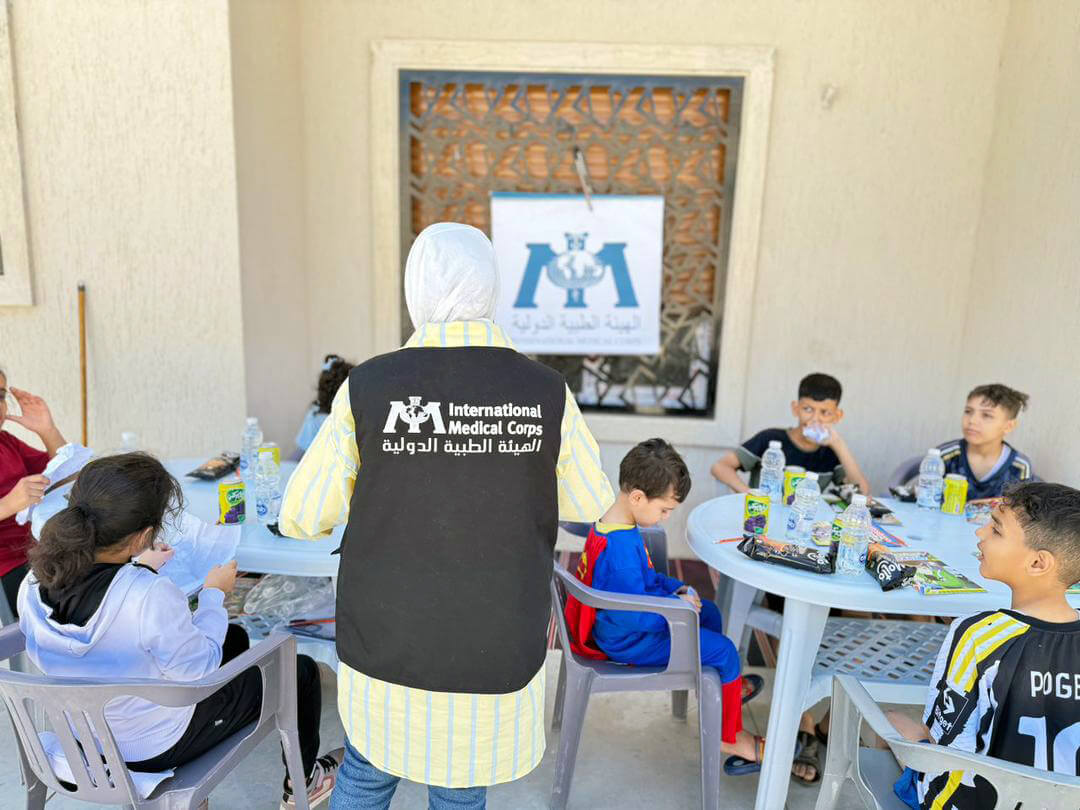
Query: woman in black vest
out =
(452, 461)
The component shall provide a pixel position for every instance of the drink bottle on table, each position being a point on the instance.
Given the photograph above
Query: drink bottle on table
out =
(804, 509)
(756, 513)
(249, 447)
(267, 486)
(854, 537)
(772, 472)
(956, 487)
(929, 486)
(793, 474)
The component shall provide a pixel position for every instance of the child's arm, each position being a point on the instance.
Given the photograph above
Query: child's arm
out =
(726, 471)
(847, 460)
(186, 646)
(630, 580)
(910, 729)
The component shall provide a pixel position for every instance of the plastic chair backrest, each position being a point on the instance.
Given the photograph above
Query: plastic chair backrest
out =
(1015, 784)
(685, 658)
(905, 471)
(75, 710)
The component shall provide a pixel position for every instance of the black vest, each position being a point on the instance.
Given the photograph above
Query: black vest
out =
(447, 554)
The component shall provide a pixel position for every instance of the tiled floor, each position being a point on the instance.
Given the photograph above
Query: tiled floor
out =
(634, 755)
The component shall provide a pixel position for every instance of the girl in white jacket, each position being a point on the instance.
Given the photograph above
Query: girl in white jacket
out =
(88, 610)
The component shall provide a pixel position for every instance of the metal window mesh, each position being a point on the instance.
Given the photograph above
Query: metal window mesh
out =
(465, 135)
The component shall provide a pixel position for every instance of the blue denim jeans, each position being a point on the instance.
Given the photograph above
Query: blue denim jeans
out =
(362, 786)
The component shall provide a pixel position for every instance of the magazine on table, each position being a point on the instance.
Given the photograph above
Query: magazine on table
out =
(933, 577)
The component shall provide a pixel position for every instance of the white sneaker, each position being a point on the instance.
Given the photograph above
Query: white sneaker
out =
(321, 784)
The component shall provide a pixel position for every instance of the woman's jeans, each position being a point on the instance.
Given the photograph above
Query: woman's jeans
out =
(362, 786)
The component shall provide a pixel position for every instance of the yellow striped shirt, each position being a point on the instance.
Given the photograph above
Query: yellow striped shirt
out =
(437, 738)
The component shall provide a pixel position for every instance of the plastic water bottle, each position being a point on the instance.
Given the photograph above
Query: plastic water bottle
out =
(267, 488)
(772, 471)
(931, 480)
(854, 537)
(803, 511)
(129, 442)
(249, 447)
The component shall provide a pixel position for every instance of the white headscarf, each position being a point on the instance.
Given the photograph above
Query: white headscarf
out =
(450, 275)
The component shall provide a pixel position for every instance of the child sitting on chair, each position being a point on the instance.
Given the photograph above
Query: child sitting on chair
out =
(334, 372)
(653, 480)
(89, 610)
(1007, 682)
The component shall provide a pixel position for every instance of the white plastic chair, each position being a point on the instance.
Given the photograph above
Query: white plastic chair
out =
(875, 771)
(77, 706)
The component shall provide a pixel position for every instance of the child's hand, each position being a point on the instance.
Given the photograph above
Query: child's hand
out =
(27, 492)
(156, 557)
(833, 437)
(687, 594)
(222, 577)
(35, 414)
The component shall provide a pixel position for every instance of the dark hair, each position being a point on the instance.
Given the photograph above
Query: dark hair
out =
(1011, 400)
(1049, 514)
(820, 387)
(335, 371)
(112, 499)
(654, 467)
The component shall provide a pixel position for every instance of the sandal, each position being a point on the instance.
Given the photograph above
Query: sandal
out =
(808, 755)
(740, 766)
(756, 684)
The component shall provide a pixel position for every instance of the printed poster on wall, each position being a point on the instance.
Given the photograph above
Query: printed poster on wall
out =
(579, 281)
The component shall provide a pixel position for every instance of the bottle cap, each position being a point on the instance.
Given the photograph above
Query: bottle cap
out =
(252, 420)
(858, 500)
(934, 451)
(774, 443)
(813, 476)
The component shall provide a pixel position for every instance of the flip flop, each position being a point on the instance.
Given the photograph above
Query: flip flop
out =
(807, 756)
(756, 683)
(740, 766)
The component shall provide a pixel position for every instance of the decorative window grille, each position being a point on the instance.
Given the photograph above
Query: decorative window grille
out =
(467, 134)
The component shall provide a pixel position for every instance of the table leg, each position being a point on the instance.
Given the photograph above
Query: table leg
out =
(804, 624)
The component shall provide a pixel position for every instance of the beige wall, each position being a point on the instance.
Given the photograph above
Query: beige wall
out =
(871, 203)
(125, 116)
(1023, 313)
(269, 127)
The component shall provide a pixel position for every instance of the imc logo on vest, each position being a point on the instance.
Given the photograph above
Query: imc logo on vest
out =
(413, 414)
(575, 270)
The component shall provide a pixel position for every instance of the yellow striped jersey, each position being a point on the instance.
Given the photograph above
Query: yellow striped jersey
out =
(1008, 686)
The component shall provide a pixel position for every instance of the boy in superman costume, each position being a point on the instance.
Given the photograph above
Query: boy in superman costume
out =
(653, 481)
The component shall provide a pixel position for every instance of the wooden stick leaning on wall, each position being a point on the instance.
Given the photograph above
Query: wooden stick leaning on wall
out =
(82, 358)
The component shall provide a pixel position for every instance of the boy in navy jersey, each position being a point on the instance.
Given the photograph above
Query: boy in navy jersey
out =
(1007, 682)
(813, 443)
(982, 456)
(653, 480)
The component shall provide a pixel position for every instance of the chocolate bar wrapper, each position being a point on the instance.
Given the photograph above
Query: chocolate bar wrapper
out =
(216, 467)
(790, 554)
(889, 572)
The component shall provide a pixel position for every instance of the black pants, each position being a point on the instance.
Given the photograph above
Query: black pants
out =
(12, 580)
(238, 704)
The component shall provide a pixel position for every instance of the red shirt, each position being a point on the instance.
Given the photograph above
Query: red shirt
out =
(17, 460)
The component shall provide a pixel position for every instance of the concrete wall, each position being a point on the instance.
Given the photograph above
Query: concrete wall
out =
(125, 118)
(871, 202)
(1022, 324)
(269, 128)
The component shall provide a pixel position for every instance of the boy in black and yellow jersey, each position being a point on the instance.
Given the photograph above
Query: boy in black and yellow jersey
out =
(1007, 682)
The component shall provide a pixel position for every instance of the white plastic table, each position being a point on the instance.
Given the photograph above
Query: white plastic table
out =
(808, 598)
(260, 550)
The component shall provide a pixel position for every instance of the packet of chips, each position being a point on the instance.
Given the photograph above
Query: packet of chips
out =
(792, 555)
(217, 467)
(889, 572)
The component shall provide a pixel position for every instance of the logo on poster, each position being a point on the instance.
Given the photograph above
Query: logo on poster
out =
(414, 415)
(575, 270)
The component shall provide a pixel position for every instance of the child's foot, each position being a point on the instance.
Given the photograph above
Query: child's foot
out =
(806, 766)
(321, 783)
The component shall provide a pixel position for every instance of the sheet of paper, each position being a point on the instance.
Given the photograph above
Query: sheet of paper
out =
(199, 547)
(68, 460)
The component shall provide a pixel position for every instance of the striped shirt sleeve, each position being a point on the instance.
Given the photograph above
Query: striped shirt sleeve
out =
(318, 493)
(584, 491)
